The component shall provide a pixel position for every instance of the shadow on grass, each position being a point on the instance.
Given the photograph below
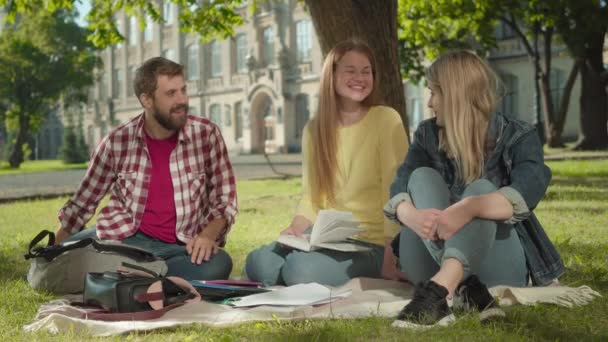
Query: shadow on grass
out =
(581, 181)
(575, 195)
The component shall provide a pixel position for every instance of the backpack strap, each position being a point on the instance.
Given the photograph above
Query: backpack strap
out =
(132, 252)
(51, 251)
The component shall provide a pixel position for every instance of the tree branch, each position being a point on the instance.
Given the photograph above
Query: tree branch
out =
(513, 24)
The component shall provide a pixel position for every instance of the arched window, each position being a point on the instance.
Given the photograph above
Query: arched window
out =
(303, 40)
(241, 53)
(268, 46)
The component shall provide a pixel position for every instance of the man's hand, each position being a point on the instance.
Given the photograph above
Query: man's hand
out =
(201, 248)
(60, 235)
(453, 218)
(421, 221)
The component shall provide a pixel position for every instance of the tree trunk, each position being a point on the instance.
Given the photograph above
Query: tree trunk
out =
(375, 22)
(23, 133)
(594, 99)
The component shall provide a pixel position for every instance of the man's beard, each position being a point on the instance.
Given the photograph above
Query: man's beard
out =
(169, 122)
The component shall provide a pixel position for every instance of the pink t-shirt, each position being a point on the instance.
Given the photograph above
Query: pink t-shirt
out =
(159, 216)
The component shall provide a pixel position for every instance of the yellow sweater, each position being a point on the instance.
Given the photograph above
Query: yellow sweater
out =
(369, 153)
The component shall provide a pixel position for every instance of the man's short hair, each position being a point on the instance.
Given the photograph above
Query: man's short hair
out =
(147, 74)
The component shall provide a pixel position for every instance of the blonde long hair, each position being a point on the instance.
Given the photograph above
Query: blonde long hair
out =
(324, 126)
(468, 94)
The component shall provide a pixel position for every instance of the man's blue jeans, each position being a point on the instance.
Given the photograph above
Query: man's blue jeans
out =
(178, 261)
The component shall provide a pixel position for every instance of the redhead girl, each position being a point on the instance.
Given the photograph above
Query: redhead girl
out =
(351, 149)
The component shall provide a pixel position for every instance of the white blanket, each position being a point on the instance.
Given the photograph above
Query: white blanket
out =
(370, 297)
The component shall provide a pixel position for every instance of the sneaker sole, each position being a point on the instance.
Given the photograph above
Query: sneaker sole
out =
(491, 314)
(444, 322)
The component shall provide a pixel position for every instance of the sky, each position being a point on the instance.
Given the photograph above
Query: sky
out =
(83, 7)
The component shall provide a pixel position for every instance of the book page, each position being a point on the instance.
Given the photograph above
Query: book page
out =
(297, 242)
(343, 246)
(300, 294)
(338, 234)
(326, 220)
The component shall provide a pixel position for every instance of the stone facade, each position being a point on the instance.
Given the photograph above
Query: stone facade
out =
(259, 86)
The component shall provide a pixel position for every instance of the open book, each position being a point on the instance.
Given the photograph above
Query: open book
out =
(331, 230)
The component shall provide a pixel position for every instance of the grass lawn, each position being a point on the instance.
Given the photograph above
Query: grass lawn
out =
(39, 166)
(574, 212)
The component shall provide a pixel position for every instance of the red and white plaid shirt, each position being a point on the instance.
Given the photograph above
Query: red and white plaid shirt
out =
(203, 182)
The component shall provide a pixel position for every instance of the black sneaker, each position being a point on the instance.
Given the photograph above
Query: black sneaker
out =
(428, 308)
(473, 296)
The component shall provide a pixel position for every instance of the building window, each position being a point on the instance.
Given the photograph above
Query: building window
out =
(131, 78)
(168, 12)
(268, 46)
(215, 114)
(557, 86)
(103, 86)
(241, 53)
(228, 115)
(303, 40)
(504, 31)
(508, 105)
(133, 31)
(169, 54)
(193, 72)
(238, 120)
(216, 59)
(120, 31)
(117, 84)
(149, 30)
(302, 113)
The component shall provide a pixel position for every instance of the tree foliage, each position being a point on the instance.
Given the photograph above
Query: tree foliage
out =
(206, 18)
(429, 28)
(74, 149)
(42, 58)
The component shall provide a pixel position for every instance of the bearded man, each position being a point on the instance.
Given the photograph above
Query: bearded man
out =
(172, 187)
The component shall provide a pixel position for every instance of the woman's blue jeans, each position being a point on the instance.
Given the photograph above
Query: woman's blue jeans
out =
(491, 250)
(274, 264)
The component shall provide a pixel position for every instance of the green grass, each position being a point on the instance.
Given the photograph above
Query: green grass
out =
(574, 213)
(39, 166)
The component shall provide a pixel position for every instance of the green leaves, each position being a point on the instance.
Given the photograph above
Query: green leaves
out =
(206, 18)
(428, 28)
(43, 56)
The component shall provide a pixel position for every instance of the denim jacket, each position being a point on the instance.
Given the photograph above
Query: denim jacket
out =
(514, 163)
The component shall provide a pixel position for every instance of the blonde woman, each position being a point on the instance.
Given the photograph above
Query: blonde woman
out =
(464, 197)
(351, 149)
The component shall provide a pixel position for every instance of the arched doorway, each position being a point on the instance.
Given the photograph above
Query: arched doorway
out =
(261, 109)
